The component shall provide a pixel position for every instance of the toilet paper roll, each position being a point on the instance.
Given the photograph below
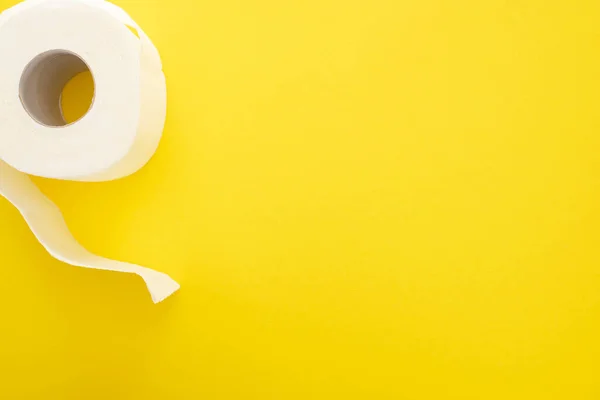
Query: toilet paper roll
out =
(43, 44)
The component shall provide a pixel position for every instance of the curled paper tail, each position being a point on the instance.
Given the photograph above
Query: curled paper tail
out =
(159, 285)
(49, 227)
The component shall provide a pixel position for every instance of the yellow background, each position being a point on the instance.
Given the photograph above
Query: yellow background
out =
(374, 199)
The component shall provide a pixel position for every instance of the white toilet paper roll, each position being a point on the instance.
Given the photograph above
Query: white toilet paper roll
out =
(43, 44)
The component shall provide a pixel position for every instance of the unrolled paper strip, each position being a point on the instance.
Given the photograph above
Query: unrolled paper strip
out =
(43, 44)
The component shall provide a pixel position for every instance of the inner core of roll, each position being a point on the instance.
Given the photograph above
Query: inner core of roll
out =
(42, 83)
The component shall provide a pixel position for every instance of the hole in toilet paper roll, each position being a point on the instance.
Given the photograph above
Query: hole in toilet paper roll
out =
(42, 82)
